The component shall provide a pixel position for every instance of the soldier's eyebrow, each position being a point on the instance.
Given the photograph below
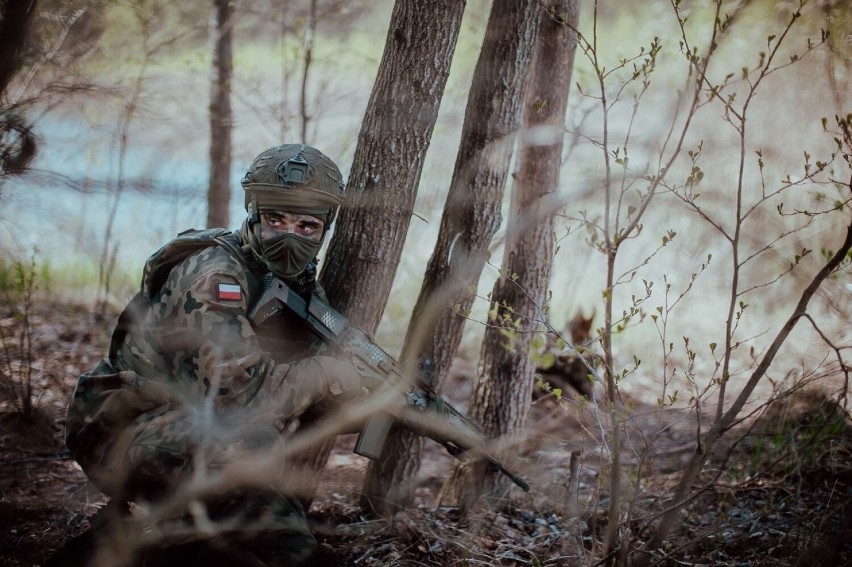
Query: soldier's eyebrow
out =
(273, 216)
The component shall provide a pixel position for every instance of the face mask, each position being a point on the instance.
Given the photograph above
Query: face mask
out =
(288, 255)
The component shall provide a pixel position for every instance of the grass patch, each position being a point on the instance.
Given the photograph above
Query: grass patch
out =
(74, 283)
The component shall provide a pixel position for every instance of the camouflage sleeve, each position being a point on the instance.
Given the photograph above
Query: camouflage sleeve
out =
(213, 349)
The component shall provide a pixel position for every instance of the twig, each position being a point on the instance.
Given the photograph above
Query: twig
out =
(59, 456)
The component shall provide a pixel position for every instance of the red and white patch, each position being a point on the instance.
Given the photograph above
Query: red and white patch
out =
(230, 292)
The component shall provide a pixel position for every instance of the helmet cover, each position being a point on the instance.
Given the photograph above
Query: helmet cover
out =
(295, 178)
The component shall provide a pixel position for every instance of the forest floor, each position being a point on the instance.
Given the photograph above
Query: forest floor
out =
(779, 493)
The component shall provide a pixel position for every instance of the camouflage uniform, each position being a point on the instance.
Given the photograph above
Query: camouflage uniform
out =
(190, 385)
(193, 383)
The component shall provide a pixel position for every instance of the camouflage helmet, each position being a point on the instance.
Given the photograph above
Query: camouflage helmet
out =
(294, 178)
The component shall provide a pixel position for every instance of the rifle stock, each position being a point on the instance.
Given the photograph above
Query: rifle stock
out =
(424, 411)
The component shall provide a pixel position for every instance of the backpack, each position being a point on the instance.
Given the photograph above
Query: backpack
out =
(161, 262)
(184, 245)
(187, 243)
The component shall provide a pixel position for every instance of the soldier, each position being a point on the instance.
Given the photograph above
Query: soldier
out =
(190, 383)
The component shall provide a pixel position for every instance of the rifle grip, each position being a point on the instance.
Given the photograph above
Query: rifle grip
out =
(372, 437)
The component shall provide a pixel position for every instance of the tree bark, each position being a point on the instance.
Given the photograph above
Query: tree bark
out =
(470, 219)
(219, 191)
(367, 244)
(506, 374)
(365, 250)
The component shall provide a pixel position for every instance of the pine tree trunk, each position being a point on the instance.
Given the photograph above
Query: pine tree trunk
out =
(470, 219)
(219, 192)
(506, 374)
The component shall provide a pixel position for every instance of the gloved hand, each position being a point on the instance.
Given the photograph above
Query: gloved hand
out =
(342, 383)
(314, 381)
(317, 383)
(339, 377)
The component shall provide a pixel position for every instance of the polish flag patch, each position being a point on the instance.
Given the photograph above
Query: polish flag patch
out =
(231, 292)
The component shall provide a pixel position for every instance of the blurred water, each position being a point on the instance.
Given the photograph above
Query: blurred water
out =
(64, 204)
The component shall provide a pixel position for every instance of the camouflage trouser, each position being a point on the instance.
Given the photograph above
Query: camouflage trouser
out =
(161, 452)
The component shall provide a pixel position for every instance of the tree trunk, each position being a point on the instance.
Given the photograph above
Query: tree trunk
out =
(470, 219)
(365, 250)
(17, 141)
(506, 374)
(364, 253)
(219, 192)
(15, 18)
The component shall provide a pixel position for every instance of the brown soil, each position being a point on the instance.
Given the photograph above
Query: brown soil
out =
(753, 511)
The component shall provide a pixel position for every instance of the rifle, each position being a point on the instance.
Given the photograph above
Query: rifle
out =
(423, 411)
